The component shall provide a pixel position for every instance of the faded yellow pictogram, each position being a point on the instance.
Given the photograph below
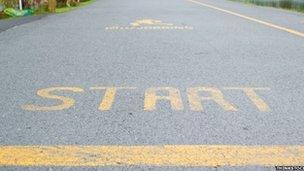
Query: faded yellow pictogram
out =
(149, 22)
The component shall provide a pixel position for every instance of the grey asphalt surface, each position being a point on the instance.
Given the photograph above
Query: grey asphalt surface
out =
(13, 22)
(74, 49)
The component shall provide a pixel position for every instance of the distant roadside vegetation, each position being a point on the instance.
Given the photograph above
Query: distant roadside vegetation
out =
(297, 5)
(40, 6)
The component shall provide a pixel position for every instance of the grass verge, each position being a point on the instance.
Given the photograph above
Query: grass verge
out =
(295, 5)
(43, 10)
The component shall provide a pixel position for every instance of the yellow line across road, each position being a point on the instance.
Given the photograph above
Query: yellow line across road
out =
(165, 155)
(249, 18)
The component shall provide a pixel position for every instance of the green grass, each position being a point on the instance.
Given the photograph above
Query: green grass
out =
(296, 5)
(43, 10)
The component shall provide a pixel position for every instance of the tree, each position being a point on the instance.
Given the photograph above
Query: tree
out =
(52, 5)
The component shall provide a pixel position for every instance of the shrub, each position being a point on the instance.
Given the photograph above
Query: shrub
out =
(9, 3)
(32, 3)
(288, 4)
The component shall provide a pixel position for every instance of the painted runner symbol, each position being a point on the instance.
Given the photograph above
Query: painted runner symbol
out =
(151, 22)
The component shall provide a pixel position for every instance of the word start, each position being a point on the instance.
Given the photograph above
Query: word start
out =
(195, 97)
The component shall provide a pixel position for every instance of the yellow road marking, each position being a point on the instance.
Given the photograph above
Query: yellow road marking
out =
(250, 18)
(149, 24)
(149, 28)
(195, 100)
(173, 96)
(47, 94)
(145, 22)
(167, 155)
(253, 96)
(109, 96)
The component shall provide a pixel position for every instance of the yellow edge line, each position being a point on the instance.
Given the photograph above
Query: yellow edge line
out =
(250, 18)
(162, 155)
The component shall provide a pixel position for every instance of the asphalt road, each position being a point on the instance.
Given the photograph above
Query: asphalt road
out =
(179, 68)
